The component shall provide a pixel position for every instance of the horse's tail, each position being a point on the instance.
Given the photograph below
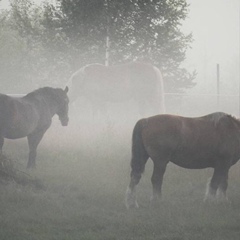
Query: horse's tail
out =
(139, 153)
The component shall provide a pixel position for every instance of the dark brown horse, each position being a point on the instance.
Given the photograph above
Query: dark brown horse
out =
(31, 115)
(211, 141)
(136, 81)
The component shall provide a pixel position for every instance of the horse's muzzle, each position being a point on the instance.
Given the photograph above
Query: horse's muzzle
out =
(64, 121)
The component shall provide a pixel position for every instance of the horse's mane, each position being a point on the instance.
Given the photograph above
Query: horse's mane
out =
(218, 117)
(234, 119)
(48, 92)
(215, 117)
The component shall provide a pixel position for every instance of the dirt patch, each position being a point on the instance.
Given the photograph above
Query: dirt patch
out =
(9, 173)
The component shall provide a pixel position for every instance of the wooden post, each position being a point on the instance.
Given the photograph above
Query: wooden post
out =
(107, 51)
(107, 34)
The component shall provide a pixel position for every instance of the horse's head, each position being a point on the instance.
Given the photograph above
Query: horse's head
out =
(62, 111)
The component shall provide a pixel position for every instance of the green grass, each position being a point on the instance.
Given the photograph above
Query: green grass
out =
(85, 173)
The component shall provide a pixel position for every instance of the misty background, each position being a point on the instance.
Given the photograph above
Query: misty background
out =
(215, 28)
(208, 35)
(85, 167)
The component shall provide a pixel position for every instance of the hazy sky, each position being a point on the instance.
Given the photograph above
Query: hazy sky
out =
(215, 28)
(215, 25)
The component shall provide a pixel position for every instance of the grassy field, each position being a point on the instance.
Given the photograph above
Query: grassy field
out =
(85, 171)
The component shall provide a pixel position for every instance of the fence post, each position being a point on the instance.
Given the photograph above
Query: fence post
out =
(218, 86)
(107, 34)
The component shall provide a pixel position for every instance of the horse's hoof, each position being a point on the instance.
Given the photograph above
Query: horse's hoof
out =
(130, 200)
(132, 205)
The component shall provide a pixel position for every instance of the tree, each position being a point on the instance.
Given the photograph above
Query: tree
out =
(137, 29)
(12, 52)
(41, 63)
(59, 39)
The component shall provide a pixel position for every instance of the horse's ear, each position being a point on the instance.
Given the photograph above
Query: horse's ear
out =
(66, 89)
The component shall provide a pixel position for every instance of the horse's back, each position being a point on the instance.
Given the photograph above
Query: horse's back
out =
(190, 142)
(18, 118)
(180, 124)
(5, 107)
(135, 80)
(185, 128)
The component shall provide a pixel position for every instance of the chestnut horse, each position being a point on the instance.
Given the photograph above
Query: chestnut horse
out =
(211, 141)
(31, 115)
(136, 81)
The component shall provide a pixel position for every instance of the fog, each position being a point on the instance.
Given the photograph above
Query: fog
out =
(86, 165)
(215, 28)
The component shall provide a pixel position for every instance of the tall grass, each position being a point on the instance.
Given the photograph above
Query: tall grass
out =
(85, 171)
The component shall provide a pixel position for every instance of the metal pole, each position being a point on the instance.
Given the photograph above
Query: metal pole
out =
(107, 34)
(239, 60)
(218, 85)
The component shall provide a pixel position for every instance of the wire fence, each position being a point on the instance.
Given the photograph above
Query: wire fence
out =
(196, 104)
(200, 104)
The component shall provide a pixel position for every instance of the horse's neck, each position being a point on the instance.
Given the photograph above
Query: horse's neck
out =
(43, 103)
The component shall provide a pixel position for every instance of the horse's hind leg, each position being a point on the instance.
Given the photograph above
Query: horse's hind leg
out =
(136, 173)
(159, 169)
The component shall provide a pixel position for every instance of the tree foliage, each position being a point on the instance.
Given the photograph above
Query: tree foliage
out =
(12, 55)
(137, 29)
(58, 39)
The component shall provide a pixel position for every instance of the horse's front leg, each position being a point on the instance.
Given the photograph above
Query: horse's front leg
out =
(222, 189)
(33, 141)
(131, 195)
(219, 182)
(138, 165)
